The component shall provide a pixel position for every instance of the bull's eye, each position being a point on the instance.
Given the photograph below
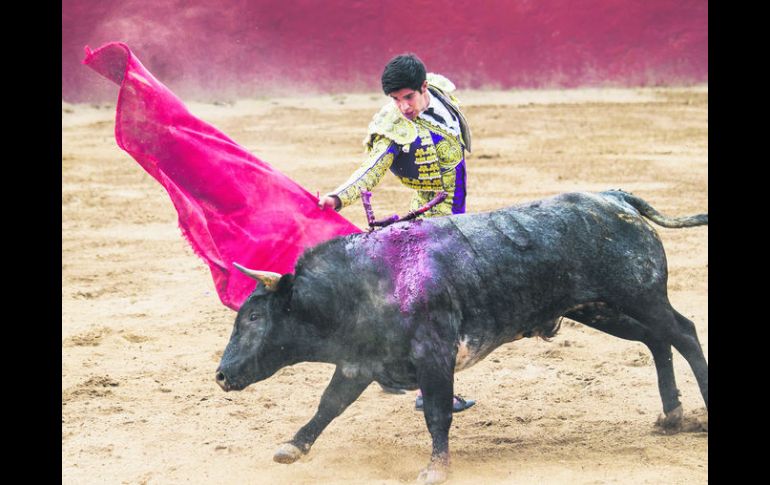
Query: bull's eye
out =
(252, 316)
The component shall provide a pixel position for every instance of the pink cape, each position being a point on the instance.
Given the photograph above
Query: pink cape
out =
(232, 206)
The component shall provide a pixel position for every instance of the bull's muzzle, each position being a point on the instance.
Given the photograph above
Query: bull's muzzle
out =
(222, 381)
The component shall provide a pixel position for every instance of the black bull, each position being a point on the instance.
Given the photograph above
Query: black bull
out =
(410, 304)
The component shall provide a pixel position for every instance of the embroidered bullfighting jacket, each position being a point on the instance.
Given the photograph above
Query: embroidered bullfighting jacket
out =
(424, 154)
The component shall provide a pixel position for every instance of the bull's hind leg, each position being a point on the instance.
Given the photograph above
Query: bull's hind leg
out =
(339, 394)
(607, 319)
(687, 343)
(667, 325)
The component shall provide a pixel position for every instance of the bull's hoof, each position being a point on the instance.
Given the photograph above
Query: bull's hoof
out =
(704, 423)
(287, 453)
(672, 421)
(434, 473)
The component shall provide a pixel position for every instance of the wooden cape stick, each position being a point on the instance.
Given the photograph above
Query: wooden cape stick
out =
(366, 198)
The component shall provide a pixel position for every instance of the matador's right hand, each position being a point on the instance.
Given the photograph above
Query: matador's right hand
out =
(329, 201)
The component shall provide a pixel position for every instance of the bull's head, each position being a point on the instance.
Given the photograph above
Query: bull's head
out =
(261, 342)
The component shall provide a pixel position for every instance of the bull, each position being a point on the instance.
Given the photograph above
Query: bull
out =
(409, 305)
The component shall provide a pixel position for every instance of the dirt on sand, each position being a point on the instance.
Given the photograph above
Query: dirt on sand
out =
(143, 329)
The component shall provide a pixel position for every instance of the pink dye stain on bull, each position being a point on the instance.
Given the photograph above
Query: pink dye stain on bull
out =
(404, 249)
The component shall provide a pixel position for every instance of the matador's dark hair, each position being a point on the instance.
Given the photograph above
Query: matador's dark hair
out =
(403, 71)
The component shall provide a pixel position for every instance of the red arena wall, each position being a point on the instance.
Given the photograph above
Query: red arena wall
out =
(229, 48)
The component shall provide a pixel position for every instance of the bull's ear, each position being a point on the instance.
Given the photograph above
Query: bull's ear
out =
(285, 290)
(285, 284)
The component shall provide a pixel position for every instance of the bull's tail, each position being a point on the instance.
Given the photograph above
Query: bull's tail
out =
(647, 211)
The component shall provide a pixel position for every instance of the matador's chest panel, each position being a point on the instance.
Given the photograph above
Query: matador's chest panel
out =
(419, 165)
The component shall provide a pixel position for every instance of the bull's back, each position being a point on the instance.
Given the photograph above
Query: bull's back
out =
(529, 263)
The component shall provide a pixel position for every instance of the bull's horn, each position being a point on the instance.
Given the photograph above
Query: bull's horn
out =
(268, 278)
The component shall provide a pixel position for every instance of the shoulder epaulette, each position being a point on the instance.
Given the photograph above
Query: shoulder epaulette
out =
(390, 123)
(439, 81)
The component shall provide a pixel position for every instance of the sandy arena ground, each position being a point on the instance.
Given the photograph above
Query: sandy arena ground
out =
(143, 329)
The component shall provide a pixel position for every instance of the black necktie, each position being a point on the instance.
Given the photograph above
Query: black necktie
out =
(430, 112)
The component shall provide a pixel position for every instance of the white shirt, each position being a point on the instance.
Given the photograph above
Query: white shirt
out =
(451, 121)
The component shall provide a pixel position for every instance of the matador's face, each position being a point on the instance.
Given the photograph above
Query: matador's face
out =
(410, 102)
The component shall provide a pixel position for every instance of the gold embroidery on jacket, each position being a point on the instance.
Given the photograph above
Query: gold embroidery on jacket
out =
(425, 155)
(368, 174)
(449, 153)
(427, 184)
(420, 198)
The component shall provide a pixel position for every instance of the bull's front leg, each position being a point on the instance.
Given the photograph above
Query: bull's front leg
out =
(436, 380)
(339, 394)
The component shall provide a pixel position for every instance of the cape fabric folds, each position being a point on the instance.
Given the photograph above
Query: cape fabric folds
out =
(232, 206)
